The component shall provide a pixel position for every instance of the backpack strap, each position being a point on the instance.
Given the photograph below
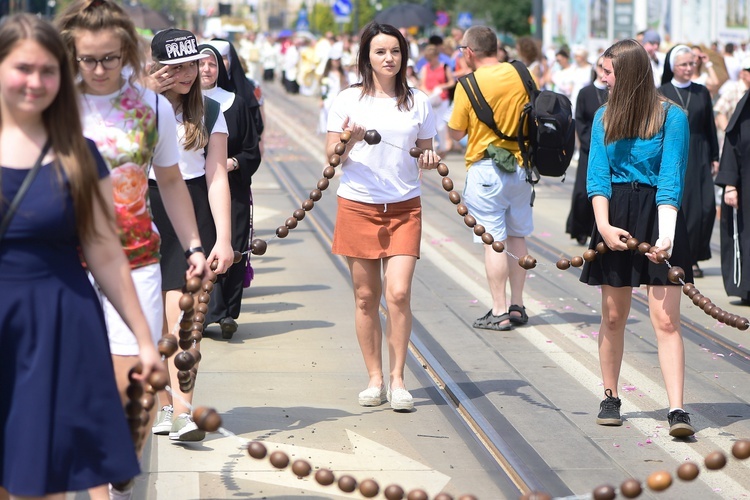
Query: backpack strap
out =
(532, 174)
(481, 107)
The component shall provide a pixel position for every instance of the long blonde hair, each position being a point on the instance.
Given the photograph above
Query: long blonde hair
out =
(635, 107)
(61, 119)
(99, 15)
(196, 134)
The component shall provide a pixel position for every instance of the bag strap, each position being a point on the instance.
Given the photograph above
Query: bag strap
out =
(481, 107)
(22, 190)
(532, 174)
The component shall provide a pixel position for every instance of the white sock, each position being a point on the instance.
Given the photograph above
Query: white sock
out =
(675, 409)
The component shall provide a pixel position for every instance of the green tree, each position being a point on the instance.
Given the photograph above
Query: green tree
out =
(507, 16)
(322, 20)
(173, 8)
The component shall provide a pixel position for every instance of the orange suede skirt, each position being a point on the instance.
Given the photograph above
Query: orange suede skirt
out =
(376, 231)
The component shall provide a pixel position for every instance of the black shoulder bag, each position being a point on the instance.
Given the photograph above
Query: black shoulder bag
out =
(22, 191)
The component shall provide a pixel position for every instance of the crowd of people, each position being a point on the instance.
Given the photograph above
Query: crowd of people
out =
(148, 182)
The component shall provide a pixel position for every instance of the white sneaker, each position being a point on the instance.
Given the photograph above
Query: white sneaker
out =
(184, 429)
(163, 423)
(372, 396)
(115, 494)
(400, 399)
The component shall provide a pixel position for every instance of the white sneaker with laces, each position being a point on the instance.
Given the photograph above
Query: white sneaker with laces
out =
(163, 423)
(400, 399)
(184, 429)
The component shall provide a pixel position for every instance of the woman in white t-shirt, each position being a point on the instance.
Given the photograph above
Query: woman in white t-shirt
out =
(379, 219)
(203, 160)
(134, 128)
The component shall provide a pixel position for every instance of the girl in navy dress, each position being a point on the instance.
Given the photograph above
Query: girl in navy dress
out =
(62, 427)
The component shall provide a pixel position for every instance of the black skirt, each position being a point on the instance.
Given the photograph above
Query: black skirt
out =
(173, 262)
(633, 207)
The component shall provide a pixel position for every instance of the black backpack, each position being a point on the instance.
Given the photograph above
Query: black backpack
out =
(549, 116)
(548, 148)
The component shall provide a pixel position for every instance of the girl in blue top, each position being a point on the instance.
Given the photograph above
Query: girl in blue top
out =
(637, 163)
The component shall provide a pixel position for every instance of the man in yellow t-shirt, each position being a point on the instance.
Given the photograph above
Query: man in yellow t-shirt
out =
(498, 199)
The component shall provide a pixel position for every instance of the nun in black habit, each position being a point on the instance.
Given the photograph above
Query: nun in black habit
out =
(580, 221)
(243, 160)
(698, 199)
(734, 178)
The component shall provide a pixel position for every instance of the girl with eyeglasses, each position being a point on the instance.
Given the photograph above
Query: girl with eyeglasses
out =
(135, 131)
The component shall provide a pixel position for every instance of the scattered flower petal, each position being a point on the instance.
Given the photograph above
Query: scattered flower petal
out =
(628, 388)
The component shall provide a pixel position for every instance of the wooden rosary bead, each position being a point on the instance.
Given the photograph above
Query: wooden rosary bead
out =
(722, 316)
(207, 419)
(692, 293)
(644, 247)
(323, 184)
(417, 495)
(604, 492)
(187, 386)
(659, 480)
(696, 298)
(186, 302)
(198, 318)
(686, 287)
(715, 313)
(602, 247)
(632, 243)
(527, 262)
(184, 360)
(652, 249)
(211, 276)
(134, 390)
(447, 183)
(279, 459)
(372, 137)
(347, 484)
(732, 320)
(308, 205)
(741, 449)
(204, 298)
(369, 488)
(301, 468)
(183, 375)
(299, 214)
(479, 230)
(201, 308)
(329, 172)
(345, 136)
(393, 492)
(563, 264)
(676, 275)
(687, 471)
(257, 450)
(743, 324)
(147, 401)
(339, 148)
(290, 223)
(282, 231)
(193, 284)
(324, 477)
(469, 219)
(487, 238)
(159, 380)
(195, 336)
(630, 488)
(442, 496)
(662, 256)
(576, 261)
(186, 323)
(258, 246)
(415, 152)
(133, 409)
(167, 345)
(442, 169)
(135, 369)
(703, 301)
(715, 460)
(462, 209)
(237, 257)
(184, 334)
(334, 161)
(316, 194)
(454, 197)
(214, 265)
(589, 255)
(498, 246)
